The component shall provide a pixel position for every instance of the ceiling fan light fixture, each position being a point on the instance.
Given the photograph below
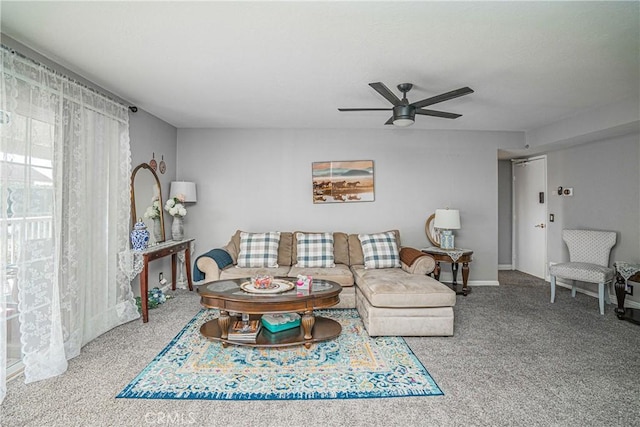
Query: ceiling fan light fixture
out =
(403, 123)
(403, 115)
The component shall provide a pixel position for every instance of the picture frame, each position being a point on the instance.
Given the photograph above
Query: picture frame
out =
(344, 181)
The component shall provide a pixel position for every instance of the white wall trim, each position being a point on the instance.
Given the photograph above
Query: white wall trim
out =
(631, 304)
(505, 267)
(482, 283)
(612, 295)
(14, 371)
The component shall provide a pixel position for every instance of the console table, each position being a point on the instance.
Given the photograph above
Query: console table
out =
(625, 272)
(137, 262)
(454, 257)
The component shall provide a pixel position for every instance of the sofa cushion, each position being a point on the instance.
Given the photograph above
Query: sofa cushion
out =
(380, 250)
(339, 274)
(411, 321)
(340, 246)
(314, 250)
(259, 249)
(284, 247)
(241, 273)
(356, 257)
(393, 287)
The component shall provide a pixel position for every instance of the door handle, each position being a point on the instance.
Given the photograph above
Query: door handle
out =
(539, 225)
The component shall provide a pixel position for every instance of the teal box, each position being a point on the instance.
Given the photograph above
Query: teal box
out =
(280, 321)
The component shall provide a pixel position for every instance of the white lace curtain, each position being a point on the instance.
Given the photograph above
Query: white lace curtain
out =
(64, 214)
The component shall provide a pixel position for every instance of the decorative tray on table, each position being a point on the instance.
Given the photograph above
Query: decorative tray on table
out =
(275, 287)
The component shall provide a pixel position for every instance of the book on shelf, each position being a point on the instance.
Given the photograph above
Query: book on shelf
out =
(244, 331)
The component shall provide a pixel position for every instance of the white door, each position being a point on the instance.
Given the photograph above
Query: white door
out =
(530, 216)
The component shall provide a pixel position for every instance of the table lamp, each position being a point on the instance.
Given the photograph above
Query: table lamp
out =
(187, 189)
(447, 220)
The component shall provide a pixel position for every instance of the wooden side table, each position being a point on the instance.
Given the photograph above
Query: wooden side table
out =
(454, 257)
(626, 272)
(134, 262)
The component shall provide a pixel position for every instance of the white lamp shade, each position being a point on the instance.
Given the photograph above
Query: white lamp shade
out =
(447, 219)
(187, 189)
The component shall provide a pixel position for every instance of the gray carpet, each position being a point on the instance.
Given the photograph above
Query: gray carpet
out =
(515, 360)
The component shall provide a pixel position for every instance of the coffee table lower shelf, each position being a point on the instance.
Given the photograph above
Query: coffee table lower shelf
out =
(323, 329)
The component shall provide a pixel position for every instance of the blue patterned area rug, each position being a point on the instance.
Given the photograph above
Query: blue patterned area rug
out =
(351, 366)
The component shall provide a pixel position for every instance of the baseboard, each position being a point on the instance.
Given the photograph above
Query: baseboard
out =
(14, 371)
(505, 267)
(612, 296)
(483, 283)
(631, 304)
(447, 277)
(167, 287)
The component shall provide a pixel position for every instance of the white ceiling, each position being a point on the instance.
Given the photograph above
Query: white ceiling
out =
(292, 64)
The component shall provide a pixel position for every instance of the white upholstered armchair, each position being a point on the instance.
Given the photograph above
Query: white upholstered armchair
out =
(589, 261)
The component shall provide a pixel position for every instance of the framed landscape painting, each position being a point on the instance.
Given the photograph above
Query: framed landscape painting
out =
(343, 181)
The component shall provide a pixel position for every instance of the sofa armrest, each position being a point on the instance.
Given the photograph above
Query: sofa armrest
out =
(416, 262)
(209, 268)
(209, 265)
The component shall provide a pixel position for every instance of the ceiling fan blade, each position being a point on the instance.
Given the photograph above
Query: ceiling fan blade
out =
(390, 121)
(437, 114)
(384, 91)
(365, 109)
(443, 97)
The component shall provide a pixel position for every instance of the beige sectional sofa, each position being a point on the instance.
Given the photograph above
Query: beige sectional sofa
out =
(402, 301)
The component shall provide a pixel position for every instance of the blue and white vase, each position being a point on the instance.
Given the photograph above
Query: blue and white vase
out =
(139, 236)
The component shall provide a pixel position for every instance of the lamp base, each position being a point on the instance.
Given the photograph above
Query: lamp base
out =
(447, 239)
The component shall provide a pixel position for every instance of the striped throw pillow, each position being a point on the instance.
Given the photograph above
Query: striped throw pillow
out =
(259, 249)
(315, 250)
(380, 250)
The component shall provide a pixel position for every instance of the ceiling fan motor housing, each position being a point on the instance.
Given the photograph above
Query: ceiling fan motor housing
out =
(404, 112)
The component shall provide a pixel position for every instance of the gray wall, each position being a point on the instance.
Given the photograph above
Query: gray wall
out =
(505, 185)
(149, 135)
(606, 182)
(260, 180)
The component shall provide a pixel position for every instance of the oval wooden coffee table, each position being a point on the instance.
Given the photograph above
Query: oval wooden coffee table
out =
(228, 296)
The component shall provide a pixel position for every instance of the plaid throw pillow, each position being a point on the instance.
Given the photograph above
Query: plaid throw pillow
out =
(315, 250)
(380, 250)
(259, 249)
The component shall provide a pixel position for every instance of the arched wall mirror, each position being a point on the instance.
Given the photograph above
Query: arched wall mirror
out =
(431, 232)
(145, 189)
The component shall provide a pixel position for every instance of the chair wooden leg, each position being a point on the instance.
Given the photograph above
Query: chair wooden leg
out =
(553, 288)
(601, 296)
(573, 288)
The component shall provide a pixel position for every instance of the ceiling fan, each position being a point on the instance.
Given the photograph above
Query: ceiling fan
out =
(403, 112)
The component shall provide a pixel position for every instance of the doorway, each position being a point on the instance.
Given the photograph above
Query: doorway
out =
(530, 215)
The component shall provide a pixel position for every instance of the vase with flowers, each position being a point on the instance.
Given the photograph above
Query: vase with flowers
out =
(153, 213)
(175, 207)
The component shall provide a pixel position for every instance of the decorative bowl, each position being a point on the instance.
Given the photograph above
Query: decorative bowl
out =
(262, 282)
